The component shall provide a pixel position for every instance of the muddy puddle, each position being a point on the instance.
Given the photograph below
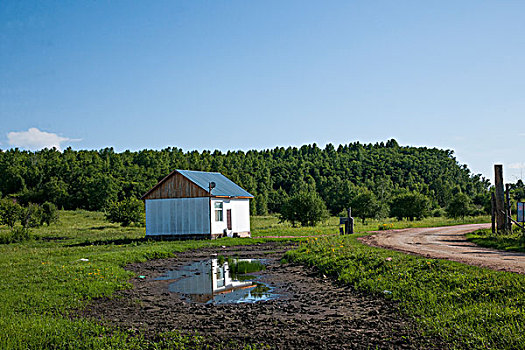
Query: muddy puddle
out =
(220, 280)
(312, 311)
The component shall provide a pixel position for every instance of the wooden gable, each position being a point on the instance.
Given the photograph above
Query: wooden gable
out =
(175, 186)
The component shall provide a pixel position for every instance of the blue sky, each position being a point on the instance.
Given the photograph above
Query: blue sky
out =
(244, 75)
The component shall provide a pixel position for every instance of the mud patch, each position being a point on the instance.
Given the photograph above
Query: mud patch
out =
(313, 312)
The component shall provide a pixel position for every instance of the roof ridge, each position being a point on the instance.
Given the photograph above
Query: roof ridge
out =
(225, 186)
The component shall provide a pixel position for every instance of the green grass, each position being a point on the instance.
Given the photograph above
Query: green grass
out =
(468, 307)
(269, 225)
(511, 242)
(44, 279)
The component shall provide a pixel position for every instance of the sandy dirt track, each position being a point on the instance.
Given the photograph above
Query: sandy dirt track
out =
(448, 243)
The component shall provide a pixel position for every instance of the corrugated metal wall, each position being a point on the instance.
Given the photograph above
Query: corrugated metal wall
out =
(183, 216)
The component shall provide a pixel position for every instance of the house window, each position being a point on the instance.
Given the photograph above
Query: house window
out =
(218, 211)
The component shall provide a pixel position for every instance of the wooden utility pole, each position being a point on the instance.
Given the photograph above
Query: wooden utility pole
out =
(493, 211)
(508, 214)
(500, 198)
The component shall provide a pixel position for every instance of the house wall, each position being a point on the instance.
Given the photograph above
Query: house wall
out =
(240, 216)
(177, 216)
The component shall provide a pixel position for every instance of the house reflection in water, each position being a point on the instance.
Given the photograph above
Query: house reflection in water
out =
(209, 281)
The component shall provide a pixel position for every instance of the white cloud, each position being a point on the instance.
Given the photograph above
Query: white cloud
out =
(521, 134)
(34, 139)
(517, 166)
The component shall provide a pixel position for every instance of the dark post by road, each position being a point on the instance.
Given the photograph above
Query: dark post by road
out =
(350, 222)
(493, 211)
(500, 198)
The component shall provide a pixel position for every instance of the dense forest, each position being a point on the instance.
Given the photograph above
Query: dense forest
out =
(90, 179)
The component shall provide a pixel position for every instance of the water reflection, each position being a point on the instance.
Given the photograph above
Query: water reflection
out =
(213, 281)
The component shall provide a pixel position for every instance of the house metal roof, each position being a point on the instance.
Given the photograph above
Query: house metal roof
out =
(223, 186)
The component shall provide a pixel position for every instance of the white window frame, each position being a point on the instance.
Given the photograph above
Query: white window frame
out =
(219, 211)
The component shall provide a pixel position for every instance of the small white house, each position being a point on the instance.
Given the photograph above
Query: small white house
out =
(196, 204)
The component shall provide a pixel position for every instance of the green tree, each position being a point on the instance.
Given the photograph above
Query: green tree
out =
(101, 190)
(92, 179)
(9, 212)
(126, 212)
(276, 199)
(410, 205)
(459, 206)
(307, 208)
(365, 206)
(261, 204)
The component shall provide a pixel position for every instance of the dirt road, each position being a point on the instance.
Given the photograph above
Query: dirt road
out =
(448, 243)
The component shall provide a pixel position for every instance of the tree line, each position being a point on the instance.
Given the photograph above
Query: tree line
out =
(375, 174)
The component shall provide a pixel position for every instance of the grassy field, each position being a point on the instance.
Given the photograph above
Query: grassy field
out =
(468, 307)
(270, 226)
(82, 258)
(45, 278)
(485, 238)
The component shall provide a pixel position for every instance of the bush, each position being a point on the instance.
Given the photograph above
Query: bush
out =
(31, 216)
(126, 212)
(306, 208)
(20, 234)
(9, 212)
(15, 235)
(49, 214)
(438, 213)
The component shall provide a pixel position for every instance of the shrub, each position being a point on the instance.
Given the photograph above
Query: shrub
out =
(20, 234)
(15, 235)
(49, 213)
(9, 212)
(438, 213)
(126, 212)
(31, 215)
